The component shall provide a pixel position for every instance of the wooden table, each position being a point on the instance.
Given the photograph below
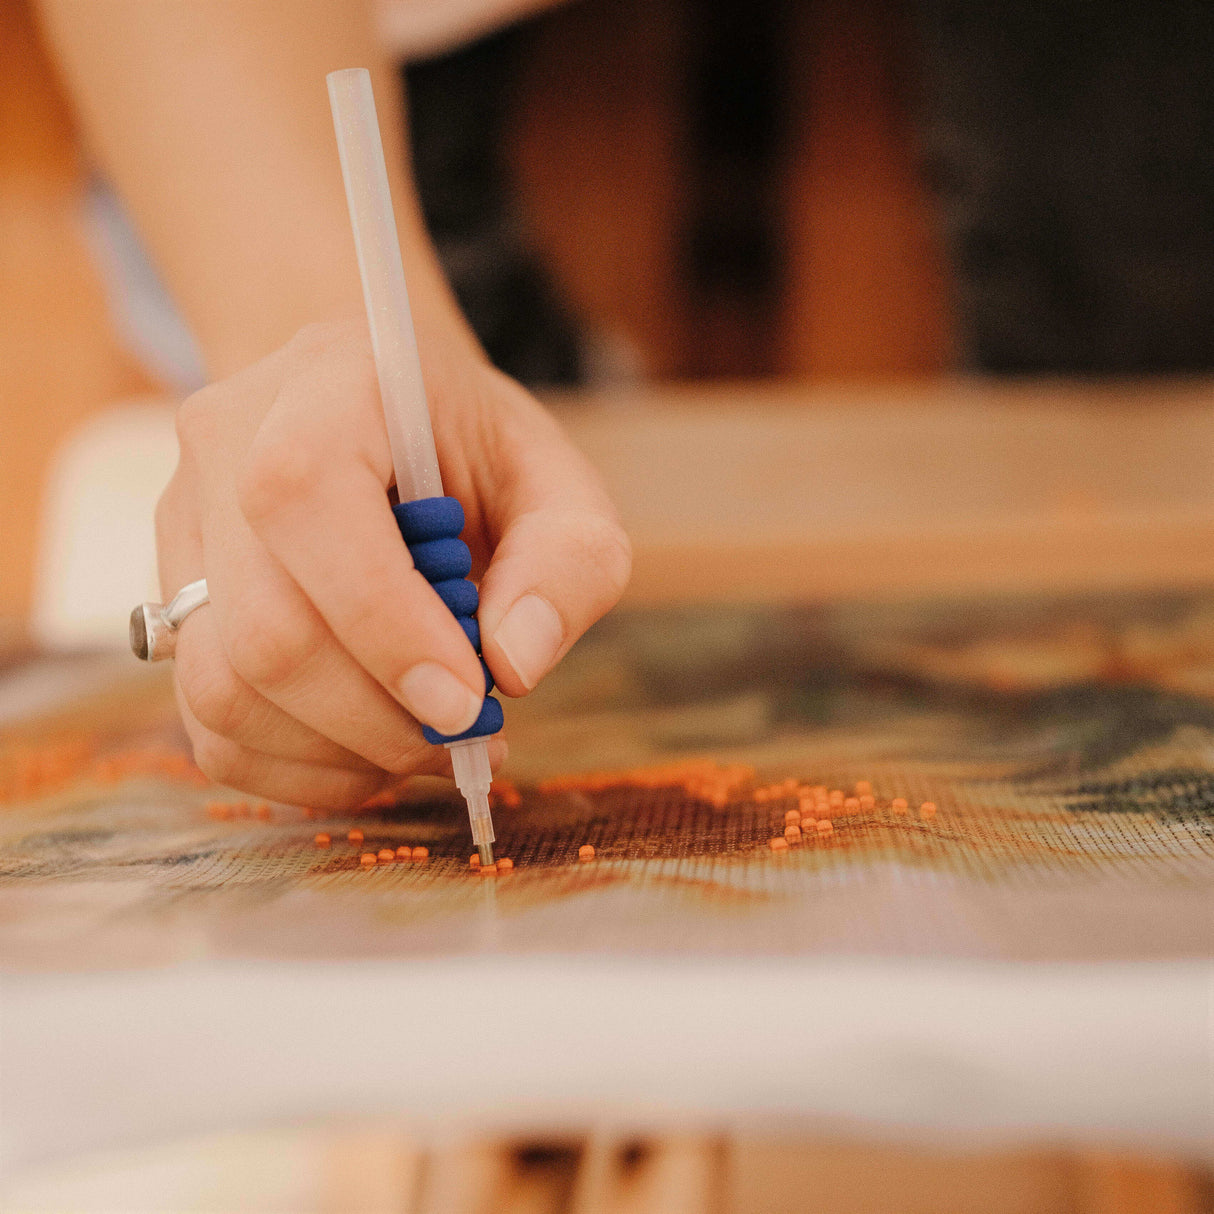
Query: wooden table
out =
(785, 491)
(788, 491)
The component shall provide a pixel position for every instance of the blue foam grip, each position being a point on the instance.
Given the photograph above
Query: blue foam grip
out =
(431, 528)
(431, 518)
(459, 594)
(472, 630)
(489, 722)
(442, 560)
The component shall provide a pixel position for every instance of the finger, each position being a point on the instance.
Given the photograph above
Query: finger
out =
(315, 494)
(562, 558)
(277, 643)
(277, 779)
(297, 783)
(216, 695)
(227, 705)
(273, 638)
(178, 538)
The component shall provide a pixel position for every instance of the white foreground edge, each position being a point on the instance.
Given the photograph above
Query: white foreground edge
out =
(969, 1053)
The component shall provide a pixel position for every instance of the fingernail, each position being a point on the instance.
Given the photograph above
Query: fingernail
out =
(438, 699)
(530, 636)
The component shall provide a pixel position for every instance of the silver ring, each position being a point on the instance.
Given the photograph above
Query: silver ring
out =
(154, 626)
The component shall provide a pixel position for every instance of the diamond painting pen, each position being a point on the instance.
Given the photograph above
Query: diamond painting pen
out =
(430, 523)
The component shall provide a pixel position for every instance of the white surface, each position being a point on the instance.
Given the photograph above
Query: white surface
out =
(976, 1053)
(271, 1172)
(97, 550)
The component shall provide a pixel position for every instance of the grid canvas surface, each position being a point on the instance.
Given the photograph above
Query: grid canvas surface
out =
(1067, 745)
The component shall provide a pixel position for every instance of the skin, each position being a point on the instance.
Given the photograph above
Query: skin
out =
(306, 676)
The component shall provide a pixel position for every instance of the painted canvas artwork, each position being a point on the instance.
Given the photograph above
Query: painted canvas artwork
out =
(988, 778)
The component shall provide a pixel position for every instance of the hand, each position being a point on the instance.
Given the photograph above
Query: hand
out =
(322, 649)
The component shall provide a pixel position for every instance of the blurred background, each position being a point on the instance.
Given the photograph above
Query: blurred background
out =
(636, 191)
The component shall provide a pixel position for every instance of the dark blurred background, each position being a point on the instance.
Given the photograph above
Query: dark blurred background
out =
(701, 188)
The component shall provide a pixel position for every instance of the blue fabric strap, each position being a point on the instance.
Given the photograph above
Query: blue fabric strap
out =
(431, 528)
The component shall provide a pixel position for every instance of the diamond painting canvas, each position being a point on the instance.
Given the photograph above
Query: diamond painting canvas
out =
(1014, 778)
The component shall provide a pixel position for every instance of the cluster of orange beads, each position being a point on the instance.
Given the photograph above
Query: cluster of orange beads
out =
(817, 808)
(503, 864)
(699, 778)
(386, 855)
(36, 770)
(806, 812)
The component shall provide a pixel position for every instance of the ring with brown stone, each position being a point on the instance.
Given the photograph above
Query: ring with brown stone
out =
(154, 626)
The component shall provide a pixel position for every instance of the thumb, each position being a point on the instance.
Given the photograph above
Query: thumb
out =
(556, 570)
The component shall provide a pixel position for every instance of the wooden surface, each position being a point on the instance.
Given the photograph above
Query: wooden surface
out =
(385, 1171)
(785, 491)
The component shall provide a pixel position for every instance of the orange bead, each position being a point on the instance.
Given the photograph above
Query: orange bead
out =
(818, 791)
(420, 853)
(504, 864)
(927, 809)
(585, 852)
(761, 795)
(779, 843)
(836, 797)
(792, 815)
(899, 805)
(367, 859)
(825, 827)
(386, 855)
(355, 835)
(867, 801)
(263, 811)
(404, 855)
(488, 870)
(863, 787)
(219, 809)
(808, 824)
(321, 840)
(792, 833)
(851, 804)
(474, 861)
